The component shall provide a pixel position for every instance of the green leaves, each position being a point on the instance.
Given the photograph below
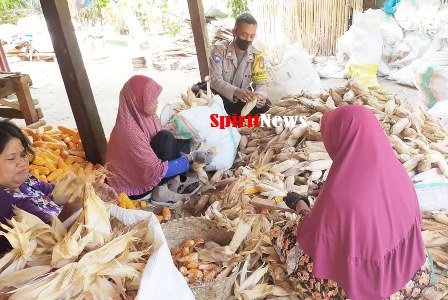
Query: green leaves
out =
(237, 7)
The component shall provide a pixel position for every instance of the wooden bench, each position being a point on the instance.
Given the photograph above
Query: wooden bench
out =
(25, 107)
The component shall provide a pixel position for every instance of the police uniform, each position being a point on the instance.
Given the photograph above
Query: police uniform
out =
(226, 75)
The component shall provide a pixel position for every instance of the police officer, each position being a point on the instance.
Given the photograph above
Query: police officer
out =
(237, 69)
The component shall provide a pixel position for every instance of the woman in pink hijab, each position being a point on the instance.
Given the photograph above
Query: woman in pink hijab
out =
(140, 156)
(362, 238)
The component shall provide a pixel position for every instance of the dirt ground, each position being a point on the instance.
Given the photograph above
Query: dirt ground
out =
(107, 77)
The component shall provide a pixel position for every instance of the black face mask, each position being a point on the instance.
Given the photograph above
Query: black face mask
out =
(242, 44)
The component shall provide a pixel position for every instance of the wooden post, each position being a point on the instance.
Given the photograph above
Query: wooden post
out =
(200, 35)
(75, 78)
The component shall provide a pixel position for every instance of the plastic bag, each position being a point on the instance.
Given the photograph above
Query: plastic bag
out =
(293, 74)
(411, 47)
(407, 14)
(366, 74)
(366, 46)
(195, 123)
(440, 110)
(432, 190)
(160, 274)
(406, 75)
(432, 78)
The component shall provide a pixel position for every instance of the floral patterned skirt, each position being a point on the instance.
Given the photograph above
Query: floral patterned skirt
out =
(300, 266)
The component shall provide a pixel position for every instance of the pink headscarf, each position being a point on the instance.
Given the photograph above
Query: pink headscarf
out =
(364, 230)
(135, 168)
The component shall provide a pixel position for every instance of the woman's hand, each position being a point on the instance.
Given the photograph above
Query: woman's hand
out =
(203, 157)
(261, 101)
(301, 205)
(105, 191)
(313, 190)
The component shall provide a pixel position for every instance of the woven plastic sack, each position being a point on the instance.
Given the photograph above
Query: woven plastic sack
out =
(365, 74)
(432, 78)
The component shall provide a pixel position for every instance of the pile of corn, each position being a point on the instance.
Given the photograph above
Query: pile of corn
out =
(435, 236)
(96, 258)
(419, 140)
(189, 259)
(58, 150)
(273, 161)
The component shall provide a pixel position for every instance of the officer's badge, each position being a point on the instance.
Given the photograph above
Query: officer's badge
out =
(217, 58)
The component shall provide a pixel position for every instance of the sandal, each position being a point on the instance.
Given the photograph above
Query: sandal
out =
(185, 183)
(161, 195)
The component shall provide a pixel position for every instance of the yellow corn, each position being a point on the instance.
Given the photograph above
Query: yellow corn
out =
(48, 164)
(41, 154)
(42, 170)
(126, 202)
(80, 172)
(50, 155)
(66, 130)
(35, 173)
(70, 160)
(278, 198)
(251, 190)
(38, 161)
(166, 213)
(76, 138)
(55, 175)
(88, 168)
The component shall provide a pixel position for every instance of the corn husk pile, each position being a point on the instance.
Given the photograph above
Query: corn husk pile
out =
(435, 236)
(58, 150)
(96, 258)
(274, 161)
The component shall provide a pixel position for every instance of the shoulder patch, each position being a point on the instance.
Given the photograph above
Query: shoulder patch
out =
(217, 58)
(260, 59)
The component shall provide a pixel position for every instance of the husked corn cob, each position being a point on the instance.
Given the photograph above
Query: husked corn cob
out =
(125, 201)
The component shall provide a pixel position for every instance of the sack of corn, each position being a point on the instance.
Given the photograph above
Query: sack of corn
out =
(102, 252)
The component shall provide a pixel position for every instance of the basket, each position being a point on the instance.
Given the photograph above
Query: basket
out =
(183, 229)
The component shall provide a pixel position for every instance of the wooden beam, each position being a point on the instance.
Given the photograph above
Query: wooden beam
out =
(10, 113)
(200, 35)
(23, 93)
(75, 78)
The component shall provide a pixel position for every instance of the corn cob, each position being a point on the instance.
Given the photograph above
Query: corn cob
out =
(126, 202)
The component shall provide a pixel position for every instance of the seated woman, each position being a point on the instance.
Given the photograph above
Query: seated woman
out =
(362, 238)
(140, 156)
(18, 188)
